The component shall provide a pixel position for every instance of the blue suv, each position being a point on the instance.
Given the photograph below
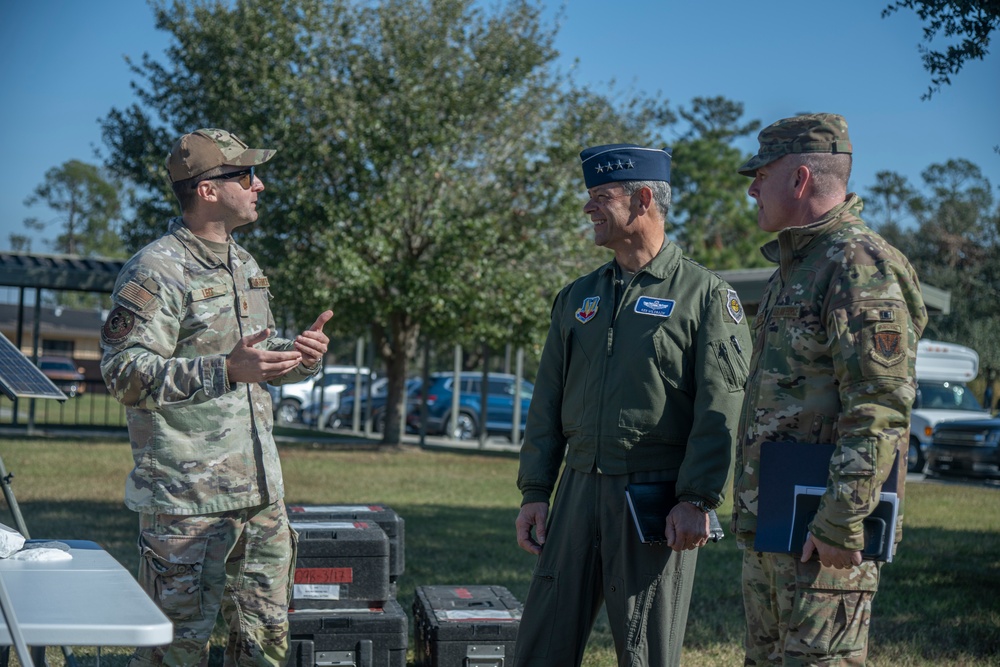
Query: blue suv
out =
(499, 405)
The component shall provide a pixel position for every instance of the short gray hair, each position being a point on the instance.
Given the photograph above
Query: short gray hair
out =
(830, 172)
(661, 192)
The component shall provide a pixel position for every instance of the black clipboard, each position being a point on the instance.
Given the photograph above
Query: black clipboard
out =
(649, 503)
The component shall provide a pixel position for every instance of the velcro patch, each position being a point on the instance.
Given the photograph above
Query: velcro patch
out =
(135, 295)
(886, 345)
(118, 326)
(647, 305)
(787, 311)
(880, 315)
(209, 292)
(259, 282)
(733, 306)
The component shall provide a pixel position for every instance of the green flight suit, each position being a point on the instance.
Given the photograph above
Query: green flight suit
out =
(637, 381)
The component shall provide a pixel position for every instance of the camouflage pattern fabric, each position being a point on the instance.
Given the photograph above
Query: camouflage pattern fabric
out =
(806, 614)
(808, 133)
(835, 344)
(199, 444)
(239, 563)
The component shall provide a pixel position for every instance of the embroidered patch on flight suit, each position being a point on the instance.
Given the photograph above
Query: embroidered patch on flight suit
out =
(647, 305)
(733, 306)
(586, 312)
(118, 326)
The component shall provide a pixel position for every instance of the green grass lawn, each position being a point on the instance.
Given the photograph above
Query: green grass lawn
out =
(939, 602)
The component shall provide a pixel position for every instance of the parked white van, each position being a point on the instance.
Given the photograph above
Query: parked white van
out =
(943, 371)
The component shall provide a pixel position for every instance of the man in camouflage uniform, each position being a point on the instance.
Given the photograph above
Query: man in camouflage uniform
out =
(641, 380)
(835, 343)
(187, 349)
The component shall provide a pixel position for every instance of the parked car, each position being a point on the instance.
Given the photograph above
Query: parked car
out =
(499, 411)
(314, 414)
(968, 447)
(290, 399)
(343, 415)
(64, 374)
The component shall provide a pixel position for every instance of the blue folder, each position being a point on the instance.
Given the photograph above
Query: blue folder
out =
(785, 465)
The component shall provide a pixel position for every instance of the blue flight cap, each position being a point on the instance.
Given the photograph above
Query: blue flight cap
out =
(624, 162)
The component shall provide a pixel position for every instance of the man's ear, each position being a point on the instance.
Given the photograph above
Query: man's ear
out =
(206, 190)
(644, 200)
(801, 179)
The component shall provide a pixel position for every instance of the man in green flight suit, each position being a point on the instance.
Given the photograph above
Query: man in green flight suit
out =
(835, 342)
(641, 379)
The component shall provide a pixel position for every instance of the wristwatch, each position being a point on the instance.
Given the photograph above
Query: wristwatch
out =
(700, 504)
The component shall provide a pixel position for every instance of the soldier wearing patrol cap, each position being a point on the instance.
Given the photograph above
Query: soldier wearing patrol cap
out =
(187, 349)
(835, 342)
(640, 380)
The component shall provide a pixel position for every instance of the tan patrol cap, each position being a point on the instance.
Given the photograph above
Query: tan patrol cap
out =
(810, 133)
(208, 148)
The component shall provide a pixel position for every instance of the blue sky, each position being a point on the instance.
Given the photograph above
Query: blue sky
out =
(62, 69)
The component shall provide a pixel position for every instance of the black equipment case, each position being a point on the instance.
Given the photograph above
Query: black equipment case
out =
(465, 626)
(340, 564)
(388, 520)
(350, 638)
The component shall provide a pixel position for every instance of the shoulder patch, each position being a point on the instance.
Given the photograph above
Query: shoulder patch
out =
(118, 326)
(733, 306)
(135, 294)
(885, 344)
(259, 282)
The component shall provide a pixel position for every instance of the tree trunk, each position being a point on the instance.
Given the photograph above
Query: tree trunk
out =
(396, 347)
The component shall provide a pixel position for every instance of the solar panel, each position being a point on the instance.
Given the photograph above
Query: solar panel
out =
(19, 378)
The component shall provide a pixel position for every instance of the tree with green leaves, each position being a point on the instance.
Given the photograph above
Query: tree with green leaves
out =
(87, 207)
(969, 23)
(715, 219)
(426, 181)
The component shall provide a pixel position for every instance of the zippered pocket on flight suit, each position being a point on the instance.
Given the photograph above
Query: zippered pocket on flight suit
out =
(731, 363)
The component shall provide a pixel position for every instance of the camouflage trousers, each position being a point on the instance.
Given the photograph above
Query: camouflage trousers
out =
(239, 564)
(806, 614)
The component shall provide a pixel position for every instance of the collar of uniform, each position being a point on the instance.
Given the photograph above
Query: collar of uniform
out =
(199, 250)
(661, 266)
(794, 241)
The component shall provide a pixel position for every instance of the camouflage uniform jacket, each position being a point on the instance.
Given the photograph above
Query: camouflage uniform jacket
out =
(835, 341)
(200, 445)
(641, 376)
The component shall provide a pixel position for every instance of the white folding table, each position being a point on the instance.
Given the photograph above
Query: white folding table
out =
(90, 600)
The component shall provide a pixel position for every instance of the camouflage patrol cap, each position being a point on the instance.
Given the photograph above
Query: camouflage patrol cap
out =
(208, 148)
(810, 133)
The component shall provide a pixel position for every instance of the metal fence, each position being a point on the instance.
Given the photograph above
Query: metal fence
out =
(93, 407)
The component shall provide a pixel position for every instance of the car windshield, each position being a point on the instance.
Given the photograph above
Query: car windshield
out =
(945, 396)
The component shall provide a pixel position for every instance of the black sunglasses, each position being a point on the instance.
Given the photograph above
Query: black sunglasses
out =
(246, 177)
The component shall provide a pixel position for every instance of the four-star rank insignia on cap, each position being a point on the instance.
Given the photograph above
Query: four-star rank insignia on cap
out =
(733, 306)
(586, 312)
